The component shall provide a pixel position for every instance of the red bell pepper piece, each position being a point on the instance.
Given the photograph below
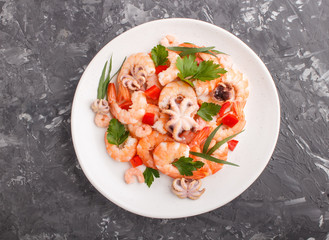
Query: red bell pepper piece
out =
(136, 161)
(126, 105)
(160, 68)
(148, 118)
(232, 144)
(224, 107)
(153, 92)
(230, 120)
(198, 60)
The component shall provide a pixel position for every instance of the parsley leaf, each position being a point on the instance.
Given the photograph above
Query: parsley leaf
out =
(116, 132)
(189, 69)
(208, 110)
(186, 165)
(148, 175)
(159, 55)
(208, 70)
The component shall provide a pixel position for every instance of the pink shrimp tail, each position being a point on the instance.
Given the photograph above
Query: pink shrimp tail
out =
(200, 137)
(123, 93)
(111, 92)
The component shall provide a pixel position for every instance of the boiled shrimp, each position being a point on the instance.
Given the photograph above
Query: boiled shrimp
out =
(169, 41)
(140, 129)
(136, 111)
(123, 153)
(231, 86)
(131, 172)
(209, 167)
(220, 153)
(146, 146)
(225, 131)
(170, 74)
(178, 90)
(166, 153)
(160, 124)
(102, 120)
(135, 70)
(123, 93)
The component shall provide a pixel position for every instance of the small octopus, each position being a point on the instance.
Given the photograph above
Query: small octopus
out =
(181, 117)
(187, 188)
(136, 80)
(100, 106)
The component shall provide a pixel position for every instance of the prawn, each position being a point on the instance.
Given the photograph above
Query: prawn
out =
(135, 70)
(220, 153)
(225, 131)
(123, 93)
(146, 146)
(166, 153)
(140, 129)
(232, 86)
(136, 111)
(131, 172)
(123, 153)
(102, 120)
(169, 41)
(160, 124)
(209, 167)
(178, 90)
(170, 74)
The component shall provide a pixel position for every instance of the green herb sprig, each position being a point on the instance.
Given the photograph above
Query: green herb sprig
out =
(116, 132)
(190, 70)
(149, 174)
(208, 110)
(105, 79)
(159, 55)
(206, 154)
(191, 50)
(187, 165)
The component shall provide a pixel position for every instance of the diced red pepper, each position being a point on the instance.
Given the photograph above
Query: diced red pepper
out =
(136, 161)
(232, 144)
(224, 107)
(153, 92)
(148, 118)
(160, 68)
(198, 60)
(230, 120)
(126, 105)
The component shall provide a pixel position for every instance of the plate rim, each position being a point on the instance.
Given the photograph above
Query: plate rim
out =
(249, 183)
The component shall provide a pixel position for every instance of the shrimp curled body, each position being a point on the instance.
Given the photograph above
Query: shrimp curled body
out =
(136, 111)
(146, 146)
(102, 120)
(124, 152)
(131, 172)
(166, 153)
(135, 71)
(170, 74)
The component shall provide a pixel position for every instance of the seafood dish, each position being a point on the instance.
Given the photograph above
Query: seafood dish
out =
(174, 112)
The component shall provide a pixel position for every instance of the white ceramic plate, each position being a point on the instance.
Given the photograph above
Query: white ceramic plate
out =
(252, 153)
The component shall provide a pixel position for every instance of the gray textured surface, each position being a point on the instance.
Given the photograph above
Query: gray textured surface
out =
(44, 48)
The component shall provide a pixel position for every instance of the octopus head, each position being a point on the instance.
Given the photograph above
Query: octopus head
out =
(223, 92)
